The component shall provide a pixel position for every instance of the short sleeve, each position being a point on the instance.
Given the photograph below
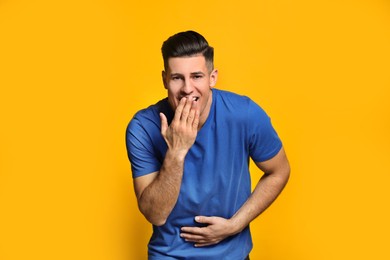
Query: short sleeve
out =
(264, 142)
(140, 148)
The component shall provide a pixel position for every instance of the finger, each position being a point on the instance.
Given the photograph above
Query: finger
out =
(194, 114)
(192, 238)
(179, 109)
(199, 240)
(192, 230)
(195, 122)
(186, 110)
(191, 117)
(164, 123)
(204, 220)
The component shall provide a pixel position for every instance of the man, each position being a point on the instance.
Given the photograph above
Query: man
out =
(190, 160)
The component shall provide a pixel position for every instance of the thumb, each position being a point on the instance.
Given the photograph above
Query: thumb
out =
(164, 123)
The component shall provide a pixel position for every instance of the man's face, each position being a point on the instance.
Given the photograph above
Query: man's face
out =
(189, 77)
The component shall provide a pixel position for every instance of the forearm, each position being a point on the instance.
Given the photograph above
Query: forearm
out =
(217, 228)
(265, 193)
(157, 193)
(158, 199)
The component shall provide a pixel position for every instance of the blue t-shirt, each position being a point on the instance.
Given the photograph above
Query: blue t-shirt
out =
(216, 179)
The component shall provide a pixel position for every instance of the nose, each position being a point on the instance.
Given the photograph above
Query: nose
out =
(187, 87)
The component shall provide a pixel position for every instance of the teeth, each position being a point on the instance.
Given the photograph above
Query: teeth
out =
(193, 98)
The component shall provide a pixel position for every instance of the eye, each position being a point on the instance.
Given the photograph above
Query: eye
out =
(198, 76)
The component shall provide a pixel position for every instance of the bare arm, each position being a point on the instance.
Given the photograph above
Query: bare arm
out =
(157, 192)
(276, 174)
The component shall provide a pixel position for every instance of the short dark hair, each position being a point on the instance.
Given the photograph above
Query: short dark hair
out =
(187, 43)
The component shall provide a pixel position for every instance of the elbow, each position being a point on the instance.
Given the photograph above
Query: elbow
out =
(152, 215)
(286, 172)
(156, 221)
(159, 223)
(286, 175)
(154, 218)
(283, 175)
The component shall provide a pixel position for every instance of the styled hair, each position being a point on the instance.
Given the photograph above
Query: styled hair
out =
(189, 44)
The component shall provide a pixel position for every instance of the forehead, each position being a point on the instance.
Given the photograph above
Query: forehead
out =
(187, 64)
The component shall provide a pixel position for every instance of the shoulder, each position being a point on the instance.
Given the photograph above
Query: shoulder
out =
(145, 126)
(237, 103)
(228, 95)
(144, 142)
(149, 117)
(231, 100)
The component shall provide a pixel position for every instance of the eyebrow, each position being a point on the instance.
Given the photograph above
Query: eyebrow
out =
(197, 73)
(192, 73)
(175, 74)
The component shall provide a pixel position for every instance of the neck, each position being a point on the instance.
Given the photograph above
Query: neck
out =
(204, 114)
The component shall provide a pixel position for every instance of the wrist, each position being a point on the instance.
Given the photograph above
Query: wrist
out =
(236, 225)
(176, 154)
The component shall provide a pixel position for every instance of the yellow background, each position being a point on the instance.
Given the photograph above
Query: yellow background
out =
(73, 73)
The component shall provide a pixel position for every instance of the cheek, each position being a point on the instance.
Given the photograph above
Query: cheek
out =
(172, 101)
(172, 96)
(173, 88)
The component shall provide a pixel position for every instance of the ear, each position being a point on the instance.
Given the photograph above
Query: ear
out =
(164, 76)
(213, 78)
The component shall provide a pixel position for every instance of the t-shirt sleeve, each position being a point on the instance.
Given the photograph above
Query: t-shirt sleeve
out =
(264, 142)
(140, 150)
